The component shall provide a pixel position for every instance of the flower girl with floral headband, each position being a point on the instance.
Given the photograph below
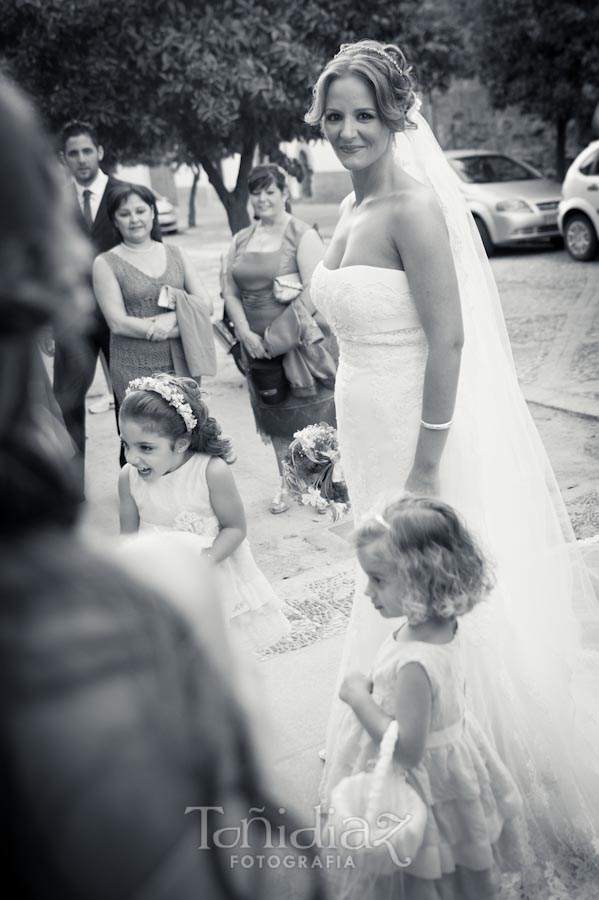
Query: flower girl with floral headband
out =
(177, 478)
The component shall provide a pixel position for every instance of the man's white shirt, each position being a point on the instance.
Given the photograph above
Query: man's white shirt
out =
(97, 188)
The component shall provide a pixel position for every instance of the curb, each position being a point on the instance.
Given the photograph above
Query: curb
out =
(575, 404)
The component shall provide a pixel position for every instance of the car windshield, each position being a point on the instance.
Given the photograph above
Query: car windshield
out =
(487, 169)
(590, 165)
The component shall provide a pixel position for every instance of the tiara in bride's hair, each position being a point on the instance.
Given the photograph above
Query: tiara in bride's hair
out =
(347, 48)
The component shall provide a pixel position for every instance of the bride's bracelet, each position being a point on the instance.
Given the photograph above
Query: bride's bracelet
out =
(442, 426)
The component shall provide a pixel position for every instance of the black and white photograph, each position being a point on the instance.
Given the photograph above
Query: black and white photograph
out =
(299, 449)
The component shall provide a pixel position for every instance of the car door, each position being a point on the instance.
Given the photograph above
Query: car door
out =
(589, 185)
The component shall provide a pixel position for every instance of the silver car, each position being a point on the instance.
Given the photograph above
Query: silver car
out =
(511, 201)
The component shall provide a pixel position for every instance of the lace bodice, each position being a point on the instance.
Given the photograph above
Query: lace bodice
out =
(378, 391)
(364, 303)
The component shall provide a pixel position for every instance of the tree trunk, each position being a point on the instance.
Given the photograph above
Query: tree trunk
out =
(238, 214)
(237, 211)
(191, 215)
(560, 149)
(235, 202)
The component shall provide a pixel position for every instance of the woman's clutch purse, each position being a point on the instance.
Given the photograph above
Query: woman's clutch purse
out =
(287, 287)
(165, 298)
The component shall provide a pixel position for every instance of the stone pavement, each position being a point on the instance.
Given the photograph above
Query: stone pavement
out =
(551, 307)
(555, 332)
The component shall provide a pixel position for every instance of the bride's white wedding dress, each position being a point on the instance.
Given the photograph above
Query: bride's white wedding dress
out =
(528, 678)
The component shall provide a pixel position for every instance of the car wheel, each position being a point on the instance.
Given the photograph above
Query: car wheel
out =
(581, 238)
(485, 236)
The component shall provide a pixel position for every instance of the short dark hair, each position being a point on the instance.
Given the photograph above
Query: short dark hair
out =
(76, 127)
(263, 176)
(146, 405)
(121, 191)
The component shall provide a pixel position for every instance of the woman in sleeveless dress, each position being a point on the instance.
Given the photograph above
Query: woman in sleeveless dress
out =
(127, 283)
(428, 400)
(278, 244)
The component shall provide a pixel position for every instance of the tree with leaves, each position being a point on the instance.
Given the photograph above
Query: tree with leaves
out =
(203, 81)
(541, 55)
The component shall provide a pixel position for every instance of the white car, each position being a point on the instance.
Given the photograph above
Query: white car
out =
(578, 212)
(167, 214)
(512, 202)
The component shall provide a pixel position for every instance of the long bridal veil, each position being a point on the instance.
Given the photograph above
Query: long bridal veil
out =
(532, 662)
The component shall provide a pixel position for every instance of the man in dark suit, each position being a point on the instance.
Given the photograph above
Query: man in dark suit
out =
(75, 360)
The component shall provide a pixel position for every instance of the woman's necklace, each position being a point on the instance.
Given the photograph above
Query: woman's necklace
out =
(266, 236)
(136, 250)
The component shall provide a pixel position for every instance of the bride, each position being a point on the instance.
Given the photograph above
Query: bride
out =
(428, 400)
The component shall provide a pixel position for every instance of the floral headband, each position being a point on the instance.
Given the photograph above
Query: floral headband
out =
(168, 392)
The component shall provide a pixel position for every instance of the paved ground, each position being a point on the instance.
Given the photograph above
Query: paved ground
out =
(552, 310)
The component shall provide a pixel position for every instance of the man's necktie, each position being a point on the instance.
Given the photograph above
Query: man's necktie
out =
(87, 209)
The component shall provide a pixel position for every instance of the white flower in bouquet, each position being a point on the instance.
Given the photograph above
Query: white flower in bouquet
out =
(308, 436)
(313, 497)
(313, 472)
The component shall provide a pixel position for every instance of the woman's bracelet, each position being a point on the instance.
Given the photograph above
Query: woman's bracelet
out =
(432, 426)
(239, 326)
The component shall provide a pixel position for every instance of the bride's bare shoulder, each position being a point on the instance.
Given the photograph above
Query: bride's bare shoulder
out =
(348, 203)
(414, 201)
(415, 216)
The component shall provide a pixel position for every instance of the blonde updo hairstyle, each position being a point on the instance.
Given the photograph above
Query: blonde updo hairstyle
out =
(384, 69)
(439, 566)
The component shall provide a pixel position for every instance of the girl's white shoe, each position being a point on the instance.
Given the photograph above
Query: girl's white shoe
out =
(279, 502)
(102, 405)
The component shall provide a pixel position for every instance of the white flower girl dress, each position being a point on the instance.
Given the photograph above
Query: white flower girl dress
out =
(180, 501)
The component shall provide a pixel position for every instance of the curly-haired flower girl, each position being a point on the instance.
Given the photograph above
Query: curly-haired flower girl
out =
(177, 478)
(422, 564)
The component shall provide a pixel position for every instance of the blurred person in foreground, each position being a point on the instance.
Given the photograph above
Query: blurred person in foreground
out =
(116, 717)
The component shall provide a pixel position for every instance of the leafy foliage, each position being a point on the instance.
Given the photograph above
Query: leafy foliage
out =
(541, 55)
(198, 80)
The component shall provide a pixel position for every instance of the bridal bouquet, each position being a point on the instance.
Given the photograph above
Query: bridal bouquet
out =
(312, 470)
